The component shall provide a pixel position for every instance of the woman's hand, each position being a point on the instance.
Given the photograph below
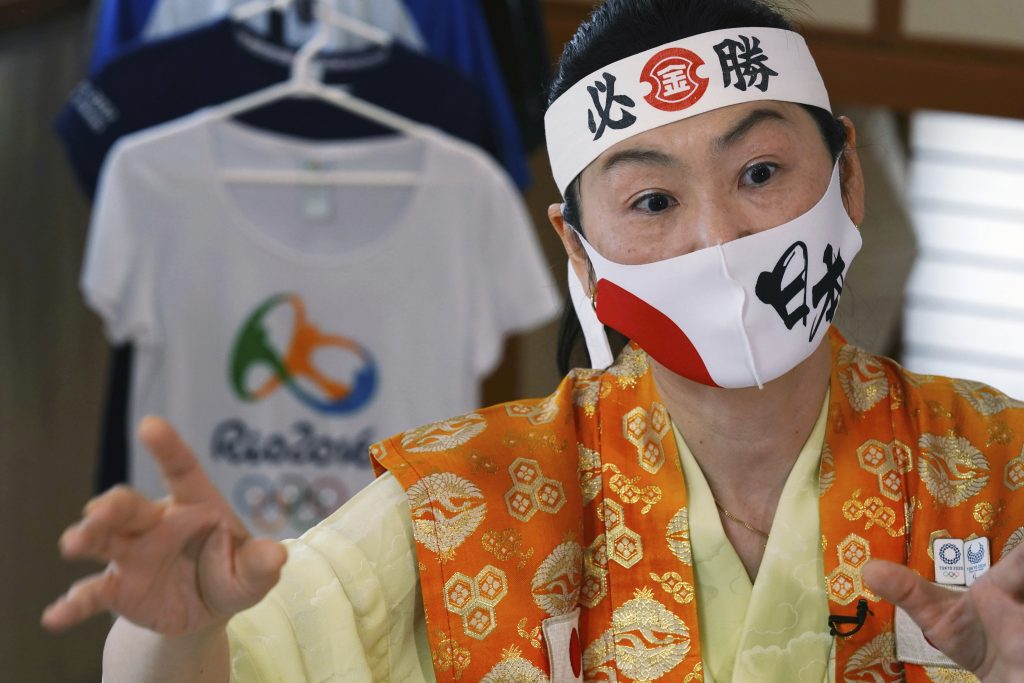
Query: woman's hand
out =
(175, 566)
(981, 629)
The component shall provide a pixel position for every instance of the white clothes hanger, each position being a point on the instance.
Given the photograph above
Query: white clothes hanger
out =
(303, 83)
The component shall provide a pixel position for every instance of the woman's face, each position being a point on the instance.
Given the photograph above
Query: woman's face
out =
(705, 181)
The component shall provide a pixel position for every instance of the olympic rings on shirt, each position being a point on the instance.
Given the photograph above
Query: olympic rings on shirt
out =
(291, 501)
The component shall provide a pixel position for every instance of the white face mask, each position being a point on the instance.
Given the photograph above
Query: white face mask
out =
(735, 315)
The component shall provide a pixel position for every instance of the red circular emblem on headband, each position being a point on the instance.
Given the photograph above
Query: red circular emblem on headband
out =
(674, 81)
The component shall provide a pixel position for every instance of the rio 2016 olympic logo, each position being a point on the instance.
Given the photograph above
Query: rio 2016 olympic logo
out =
(294, 368)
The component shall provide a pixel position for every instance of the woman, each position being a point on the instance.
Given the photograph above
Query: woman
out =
(735, 498)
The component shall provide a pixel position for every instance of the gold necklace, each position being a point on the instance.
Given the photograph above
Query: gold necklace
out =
(746, 524)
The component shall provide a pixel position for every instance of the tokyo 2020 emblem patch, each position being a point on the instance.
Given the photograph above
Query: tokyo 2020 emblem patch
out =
(675, 83)
(950, 554)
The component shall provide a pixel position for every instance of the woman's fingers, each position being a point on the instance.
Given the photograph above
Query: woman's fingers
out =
(948, 619)
(185, 479)
(85, 598)
(258, 564)
(236, 575)
(923, 601)
(891, 581)
(1008, 573)
(120, 511)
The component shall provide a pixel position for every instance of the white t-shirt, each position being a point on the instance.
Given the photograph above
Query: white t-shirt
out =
(282, 328)
(174, 16)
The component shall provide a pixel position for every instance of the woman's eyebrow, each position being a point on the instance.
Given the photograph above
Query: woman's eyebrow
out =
(654, 157)
(751, 120)
(646, 157)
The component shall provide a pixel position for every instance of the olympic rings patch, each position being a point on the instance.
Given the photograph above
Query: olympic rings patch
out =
(291, 501)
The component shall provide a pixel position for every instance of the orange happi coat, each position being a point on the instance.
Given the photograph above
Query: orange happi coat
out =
(528, 510)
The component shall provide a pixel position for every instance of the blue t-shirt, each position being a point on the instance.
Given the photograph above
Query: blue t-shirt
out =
(456, 32)
(119, 23)
(157, 82)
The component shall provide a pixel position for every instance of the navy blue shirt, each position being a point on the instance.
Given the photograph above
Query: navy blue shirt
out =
(163, 80)
(119, 23)
(456, 32)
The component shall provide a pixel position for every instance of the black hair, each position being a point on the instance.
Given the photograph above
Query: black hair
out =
(620, 28)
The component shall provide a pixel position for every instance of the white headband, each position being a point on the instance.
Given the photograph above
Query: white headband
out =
(676, 81)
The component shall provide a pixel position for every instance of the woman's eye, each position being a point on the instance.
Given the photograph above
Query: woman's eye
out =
(759, 174)
(654, 203)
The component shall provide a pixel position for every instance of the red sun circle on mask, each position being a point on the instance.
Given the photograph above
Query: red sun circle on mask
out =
(672, 75)
(575, 654)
